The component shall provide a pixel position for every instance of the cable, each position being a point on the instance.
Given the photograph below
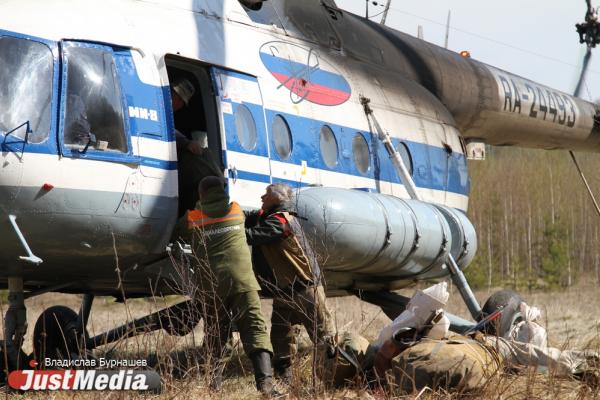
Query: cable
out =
(580, 83)
(376, 15)
(491, 40)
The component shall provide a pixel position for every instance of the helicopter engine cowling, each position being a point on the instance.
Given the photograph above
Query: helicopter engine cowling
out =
(382, 236)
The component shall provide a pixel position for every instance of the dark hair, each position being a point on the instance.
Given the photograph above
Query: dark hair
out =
(208, 183)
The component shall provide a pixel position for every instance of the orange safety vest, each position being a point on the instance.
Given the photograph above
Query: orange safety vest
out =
(198, 219)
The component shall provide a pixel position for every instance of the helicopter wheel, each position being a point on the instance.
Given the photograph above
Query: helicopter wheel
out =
(7, 365)
(509, 301)
(56, 334)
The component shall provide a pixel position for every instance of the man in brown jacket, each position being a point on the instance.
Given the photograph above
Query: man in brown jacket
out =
(294, 276)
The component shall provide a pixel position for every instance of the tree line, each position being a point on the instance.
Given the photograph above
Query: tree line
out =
(536, 224)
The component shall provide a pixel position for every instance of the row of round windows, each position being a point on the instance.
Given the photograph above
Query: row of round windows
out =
(282, 140)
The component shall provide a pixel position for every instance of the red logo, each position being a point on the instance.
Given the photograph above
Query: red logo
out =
(83, 380)
(305, 73)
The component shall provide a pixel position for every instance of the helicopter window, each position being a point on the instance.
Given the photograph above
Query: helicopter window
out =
(245, 127)
(282, 137)
(329, 147)
(402, 149)
(94, 109)
(360, 149)
(25, 88)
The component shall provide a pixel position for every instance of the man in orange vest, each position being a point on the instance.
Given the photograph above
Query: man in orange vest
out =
(296, 284)
(227, 287)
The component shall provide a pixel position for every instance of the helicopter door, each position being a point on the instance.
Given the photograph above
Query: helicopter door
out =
(244, 135)
(150, 136)
(97, 153)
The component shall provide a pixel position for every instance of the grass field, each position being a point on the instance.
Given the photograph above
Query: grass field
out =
(571, 318)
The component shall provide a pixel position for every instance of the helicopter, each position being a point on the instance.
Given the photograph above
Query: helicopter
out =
(372, 126)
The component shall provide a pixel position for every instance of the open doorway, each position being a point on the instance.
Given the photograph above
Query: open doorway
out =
(197, 124)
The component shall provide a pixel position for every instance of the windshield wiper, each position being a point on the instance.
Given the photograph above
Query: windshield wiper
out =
(7, 144)
(91, 139)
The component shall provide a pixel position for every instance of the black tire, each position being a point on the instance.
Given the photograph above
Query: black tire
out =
(56, 335)
(509, 301)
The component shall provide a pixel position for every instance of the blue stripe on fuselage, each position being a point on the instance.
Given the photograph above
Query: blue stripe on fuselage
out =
(433, 167)
(160, 164)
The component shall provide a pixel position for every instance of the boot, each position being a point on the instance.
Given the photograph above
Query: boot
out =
(283, 371)
(263, 374)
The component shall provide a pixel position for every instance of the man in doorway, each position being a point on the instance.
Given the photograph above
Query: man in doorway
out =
(194, 158)
(298, 294)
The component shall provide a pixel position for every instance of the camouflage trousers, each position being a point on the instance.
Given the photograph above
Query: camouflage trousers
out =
(220, 315)
(291, 310)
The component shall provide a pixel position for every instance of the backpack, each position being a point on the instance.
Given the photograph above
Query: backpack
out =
(459, 363)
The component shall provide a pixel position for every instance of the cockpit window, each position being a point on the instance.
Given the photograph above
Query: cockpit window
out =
(94, 109)
(26, 75)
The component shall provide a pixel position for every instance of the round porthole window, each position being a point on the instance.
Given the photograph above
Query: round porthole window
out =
(245, 127)
(360, 150)
(405, 155)
(329, 147)
(282, 137)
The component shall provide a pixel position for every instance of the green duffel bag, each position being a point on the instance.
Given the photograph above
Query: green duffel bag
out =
(456, 364)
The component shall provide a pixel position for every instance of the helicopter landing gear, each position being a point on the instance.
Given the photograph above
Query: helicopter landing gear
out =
(58, 335)
(12, 356)
(508, 302)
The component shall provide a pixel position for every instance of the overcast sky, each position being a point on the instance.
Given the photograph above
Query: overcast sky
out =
(534, 39)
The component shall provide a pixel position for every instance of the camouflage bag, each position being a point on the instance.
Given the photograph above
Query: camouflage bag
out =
(353, 356)
(459, 363)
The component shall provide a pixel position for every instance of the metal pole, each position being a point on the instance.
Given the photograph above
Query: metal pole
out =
(447, 30)
(385, 11)
(84, 311)
(577, 93)
(178, 319)
(455, 272)
(463, 287)
(585, 182)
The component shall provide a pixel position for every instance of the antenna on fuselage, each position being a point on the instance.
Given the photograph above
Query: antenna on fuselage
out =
(447, 30)
(385, 12)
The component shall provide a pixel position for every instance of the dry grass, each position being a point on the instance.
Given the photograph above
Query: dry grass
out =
(570, 317)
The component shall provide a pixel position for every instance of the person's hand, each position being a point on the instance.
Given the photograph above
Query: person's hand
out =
(195, 148)
(384, 356)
